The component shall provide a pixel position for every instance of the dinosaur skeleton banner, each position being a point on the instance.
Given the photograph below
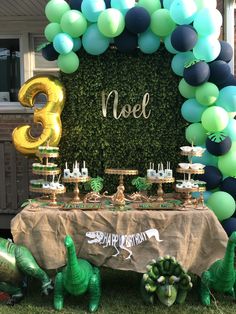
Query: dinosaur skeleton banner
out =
(121, 241)
(125, 240)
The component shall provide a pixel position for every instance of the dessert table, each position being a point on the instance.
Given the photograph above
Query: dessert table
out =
(125, 239)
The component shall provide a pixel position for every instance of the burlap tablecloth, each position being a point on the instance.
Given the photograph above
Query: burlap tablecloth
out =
(194, 237)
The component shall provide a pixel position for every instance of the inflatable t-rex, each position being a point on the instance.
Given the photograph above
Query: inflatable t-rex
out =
(221, 274)
(16, 262)
(78, 277)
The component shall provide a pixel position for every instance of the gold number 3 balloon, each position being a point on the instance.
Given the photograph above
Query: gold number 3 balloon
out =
(48, 116)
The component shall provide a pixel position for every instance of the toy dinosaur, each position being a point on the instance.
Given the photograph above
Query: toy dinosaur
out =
(16, 262)
(221, 274)
(78, 277)
(166, 280)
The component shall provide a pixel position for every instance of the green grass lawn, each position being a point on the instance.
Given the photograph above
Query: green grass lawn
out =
(120, 295)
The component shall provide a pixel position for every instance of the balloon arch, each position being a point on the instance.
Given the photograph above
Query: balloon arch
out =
(189, 29)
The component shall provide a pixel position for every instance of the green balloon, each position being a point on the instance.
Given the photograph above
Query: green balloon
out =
(68, 63)
(150, 5)
(222, 204)
(186, 90)
(227, 162)
(111, 22)
(207, 94)
(73, 23)
(202, 4)
(55, 9)
(215, 119)
(161, 23)
(195, 134)
(51, 30)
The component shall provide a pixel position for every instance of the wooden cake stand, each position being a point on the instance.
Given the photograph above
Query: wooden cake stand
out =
(119, 197)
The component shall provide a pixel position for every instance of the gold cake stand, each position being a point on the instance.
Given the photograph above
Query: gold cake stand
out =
(52, 192)
(76, 199)
(160, 182)
(119, 197)
(188, 197)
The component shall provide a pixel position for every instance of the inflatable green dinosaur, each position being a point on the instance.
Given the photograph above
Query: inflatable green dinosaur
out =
(166, 281)
(16, 262)
(221, 274)
(78, 277)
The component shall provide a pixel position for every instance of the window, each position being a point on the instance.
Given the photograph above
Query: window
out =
(10, 75)
(39, 64)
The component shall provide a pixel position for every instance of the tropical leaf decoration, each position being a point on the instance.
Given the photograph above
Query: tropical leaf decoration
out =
(141, 184)
(27, 202)
(217, 136)
(96, 184)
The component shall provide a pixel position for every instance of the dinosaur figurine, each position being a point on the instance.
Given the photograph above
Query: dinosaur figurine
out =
(77, 277)
(16, 262)
(221, 274)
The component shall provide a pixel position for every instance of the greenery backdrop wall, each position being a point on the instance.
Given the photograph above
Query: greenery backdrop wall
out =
(127, 142)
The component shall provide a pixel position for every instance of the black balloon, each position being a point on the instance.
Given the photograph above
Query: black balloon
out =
(229, 225)
(197, 73)
(126, 42)
(183, 38)
(108, 3)
(229, 185)
(75, 4)
(218, 149)
(219, 71)
(137, 20)
(49, 53)
(230, 81)
(226, 52)
(212, 176)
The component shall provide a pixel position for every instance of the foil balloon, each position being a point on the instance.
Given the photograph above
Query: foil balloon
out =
(48, 116)
(16, 262)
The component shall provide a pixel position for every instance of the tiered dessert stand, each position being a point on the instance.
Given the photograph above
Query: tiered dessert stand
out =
(187, 187)
(47, 169)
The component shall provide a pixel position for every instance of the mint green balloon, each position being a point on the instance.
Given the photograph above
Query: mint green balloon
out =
(227, 162)
(55, 9)
(167, 4)
(215, 119)
(201, 4)
(150, 5)
(186, 90)
(207, 94)
(207, 48)
(74, 23)
(168, 45)
(222, 204)
(183, 11)
(161, 23)
(68, 63)
(195, 134)
(111, 22)
(51, 30)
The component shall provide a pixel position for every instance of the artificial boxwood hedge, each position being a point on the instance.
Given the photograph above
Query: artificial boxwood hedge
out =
(124, 143)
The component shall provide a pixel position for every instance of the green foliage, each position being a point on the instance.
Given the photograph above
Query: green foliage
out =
(123, 143)
(96, 184)
(141, 184)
